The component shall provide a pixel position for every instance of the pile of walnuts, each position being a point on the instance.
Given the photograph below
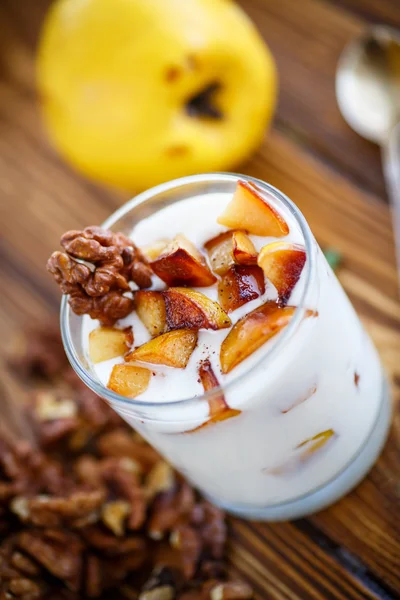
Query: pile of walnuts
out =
(93, 511)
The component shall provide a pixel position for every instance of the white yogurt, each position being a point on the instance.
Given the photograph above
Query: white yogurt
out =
(325, 376)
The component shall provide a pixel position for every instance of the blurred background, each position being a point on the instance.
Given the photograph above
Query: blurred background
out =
(64, 165)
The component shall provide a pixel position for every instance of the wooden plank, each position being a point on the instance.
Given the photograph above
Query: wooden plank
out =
(27, 18)
(372, 535)
(41, 187)
(306, 39)
(286, 564)
(386, 12)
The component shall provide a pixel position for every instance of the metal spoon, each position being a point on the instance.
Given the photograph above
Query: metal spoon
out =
(368, 94)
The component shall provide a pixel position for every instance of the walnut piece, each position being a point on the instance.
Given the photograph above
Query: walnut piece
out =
(95, 269)
(188, 541)
(168, 508)
(80, 507)
(161, 478)
(59, 552)
(49, 407)
(232, 590)
(114, 514)
(164, 592)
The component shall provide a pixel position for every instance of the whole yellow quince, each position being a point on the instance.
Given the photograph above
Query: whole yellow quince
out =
(136, 92)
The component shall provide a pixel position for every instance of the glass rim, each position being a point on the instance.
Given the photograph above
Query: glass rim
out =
(103, 391)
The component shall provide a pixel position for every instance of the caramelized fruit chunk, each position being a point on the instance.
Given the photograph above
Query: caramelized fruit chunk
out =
(153, 251)
(249, 210)
(189, 309)
(228, 248)
(312, 445)
(150, 307)
(252, 331)
(218, 408)
(303, 453)
(181, 263)
(129, 380)
(220, 254)
(109, 342)
(172, 349)
(239, 285)
(282, 264)
(243, 250)
(209, 381)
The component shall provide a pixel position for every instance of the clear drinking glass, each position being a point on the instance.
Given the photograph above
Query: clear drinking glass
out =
(315, 409)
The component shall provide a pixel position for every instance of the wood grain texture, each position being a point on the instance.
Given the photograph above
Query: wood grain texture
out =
(373, 11)
(351, 550)
(306, 38)
(302, 571)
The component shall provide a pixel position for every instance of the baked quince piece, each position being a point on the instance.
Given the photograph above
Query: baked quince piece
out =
(109, 342)
(220, 255)
(181, 263)
(228, 248)
(150, 307)
(252, 331)
(243, 249)
(250, 210)
(282, 264)
(172, 349)
(239, 285)
(312, 445)
(190, 309)
(129, 380)
(303, 453)
(153, 251)
(218, 407)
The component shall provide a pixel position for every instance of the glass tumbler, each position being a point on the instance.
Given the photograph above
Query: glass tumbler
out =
(314, 409)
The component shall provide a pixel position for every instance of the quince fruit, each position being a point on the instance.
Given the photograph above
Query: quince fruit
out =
(137, 92)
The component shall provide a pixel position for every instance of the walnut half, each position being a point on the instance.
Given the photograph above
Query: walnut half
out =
(96, 269)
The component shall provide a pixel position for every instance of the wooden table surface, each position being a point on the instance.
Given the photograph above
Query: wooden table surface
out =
(351, 550)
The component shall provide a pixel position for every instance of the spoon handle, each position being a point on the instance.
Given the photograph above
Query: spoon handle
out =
(391, 169)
